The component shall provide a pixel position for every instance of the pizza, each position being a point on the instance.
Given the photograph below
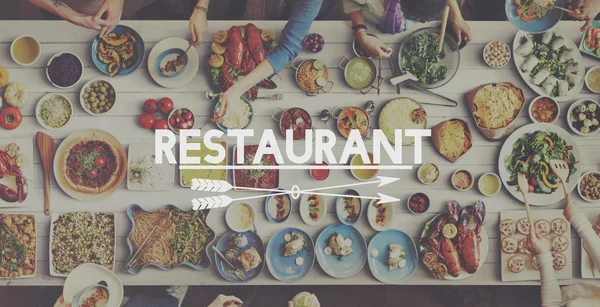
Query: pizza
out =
(523, 247)
(560, 244)
(542, 227)
(559, 226)
(508, 227)
(523, 226)
(559, 261)
(534, 263)
(516, 264)
(509, 245)
(91, 165)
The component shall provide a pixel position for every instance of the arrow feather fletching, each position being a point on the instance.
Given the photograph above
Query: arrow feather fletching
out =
(210, 202)
(208, 185)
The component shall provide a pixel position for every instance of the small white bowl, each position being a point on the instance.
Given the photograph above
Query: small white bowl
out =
(419, 171)
(88, 84)
(587, 74)
(390, 214)
(531, 106)
(230, 217)
(39, 106)
(579, 187)
(488, 45)
(470, 174)
(57, 55)
(408, 203)
(497, 178)
(568, 116)
(352, 169)
(37, 43)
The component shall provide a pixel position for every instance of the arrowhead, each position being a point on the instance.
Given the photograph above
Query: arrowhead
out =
(384, 199)
(386, 180)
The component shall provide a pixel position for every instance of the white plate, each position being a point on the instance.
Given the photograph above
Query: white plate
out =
(529, 273)
(484, 249)
(192, 66)
(303, 207)
(35, 229)
(141, 150)
(533, 198)
(53, 218)
(575, 90)
(89, 274)
(39, 106)
(26, 149)
(389, 216)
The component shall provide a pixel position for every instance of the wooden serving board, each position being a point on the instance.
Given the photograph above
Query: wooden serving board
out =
(529, 273)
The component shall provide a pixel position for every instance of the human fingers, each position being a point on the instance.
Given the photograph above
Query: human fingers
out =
(290, 304)
(104, 31)
(101, 11)
(198, 33)
(193, 39)
(588, 20)
(458, 36)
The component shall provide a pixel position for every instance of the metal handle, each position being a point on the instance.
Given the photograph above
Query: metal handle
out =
(335, 109)
(312, 93)
(278, 111)
(343, 66)
(453, 102)
(295, 60)
(222, 257)
(330, 83)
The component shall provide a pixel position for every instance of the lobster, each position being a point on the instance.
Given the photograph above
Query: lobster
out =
(248, 65)
(8, 169)
(451, 258)
(469, 239)
(235, 47)
(255, 43)
(226, 71)
(433, 237)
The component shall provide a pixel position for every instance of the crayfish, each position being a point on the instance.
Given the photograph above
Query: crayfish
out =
(8, 169)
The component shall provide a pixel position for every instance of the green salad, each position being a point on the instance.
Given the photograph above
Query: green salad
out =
(420, 57)
(531, 155)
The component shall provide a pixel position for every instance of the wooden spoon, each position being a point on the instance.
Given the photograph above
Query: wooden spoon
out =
(524, 187)
(46, 147)
(443, 29)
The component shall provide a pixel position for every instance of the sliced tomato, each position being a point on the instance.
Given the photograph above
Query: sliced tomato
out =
(100, 162)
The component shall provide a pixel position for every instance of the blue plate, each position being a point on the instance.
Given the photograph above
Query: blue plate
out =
(582, 45)
(223, 128)
(379, 266)
(223, 245)
(536, 25)
(287, 207)
(285, 268)
(138, 46)
(339, 207)
(203, 265)
(162, 56)
(349, 265)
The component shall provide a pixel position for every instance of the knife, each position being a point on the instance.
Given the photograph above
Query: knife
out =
(393, 67)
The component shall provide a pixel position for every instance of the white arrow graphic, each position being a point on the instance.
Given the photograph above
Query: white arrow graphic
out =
(211, 202)
(208, 185)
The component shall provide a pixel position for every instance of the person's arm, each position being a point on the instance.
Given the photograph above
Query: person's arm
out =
(540, 247)
(371, 45)
(60, 9)
(584, 10)
(461, 28)
(198, 22)
(113, 10)
(591, 242)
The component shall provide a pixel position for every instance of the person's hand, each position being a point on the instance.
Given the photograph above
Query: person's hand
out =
(461, 29)
(372, 45)
(112, 9)
(231, 96)
(198, 26)
(225, 301)
(585, 10)
(536, 243)
(571, 209)
(87, 21)
(290, 304)
(60, 302)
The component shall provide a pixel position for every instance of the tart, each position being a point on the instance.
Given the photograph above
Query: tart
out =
(559, 261)
(510, 245)
(542, 227)
(508, 227)
(560, 244)
(516, 264)
(559, 226)
(523, 226)
(534, 263)
(523, 247)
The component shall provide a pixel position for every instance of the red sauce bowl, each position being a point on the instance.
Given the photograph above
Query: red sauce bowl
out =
(320, 173)
(418, 203)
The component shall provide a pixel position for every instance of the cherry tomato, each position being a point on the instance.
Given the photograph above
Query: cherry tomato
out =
(165, 104)
(100, 162)
(10, 118)
(147, 120)
(190, 123)
(150, 106)
(92, 174)
(172, 121)
(161, 124)
(188, 115)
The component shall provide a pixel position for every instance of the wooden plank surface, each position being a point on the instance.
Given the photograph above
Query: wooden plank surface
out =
(134, 89)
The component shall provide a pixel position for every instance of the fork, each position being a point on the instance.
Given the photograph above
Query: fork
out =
(561, 170)
(236, 271)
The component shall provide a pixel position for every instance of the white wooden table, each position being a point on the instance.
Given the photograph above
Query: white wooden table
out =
(134, 89)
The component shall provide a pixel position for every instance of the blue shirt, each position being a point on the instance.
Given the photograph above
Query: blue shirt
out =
(293, 33)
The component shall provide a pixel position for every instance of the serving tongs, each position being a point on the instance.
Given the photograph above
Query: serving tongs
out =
(148, 242)
(410, 76)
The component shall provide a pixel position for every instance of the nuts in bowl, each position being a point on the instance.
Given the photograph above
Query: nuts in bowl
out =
(496, 54)
(98, 97)
(589, 186)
